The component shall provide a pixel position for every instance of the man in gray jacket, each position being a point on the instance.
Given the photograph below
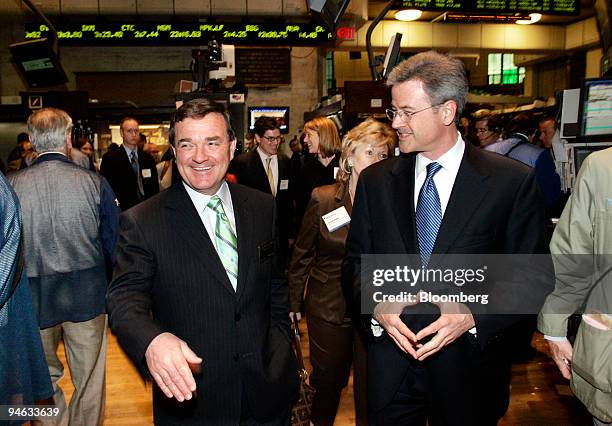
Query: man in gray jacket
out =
(69, 231)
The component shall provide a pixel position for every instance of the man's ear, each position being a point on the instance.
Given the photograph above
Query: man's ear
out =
(69, 141)
(232, 148)
(449, 110)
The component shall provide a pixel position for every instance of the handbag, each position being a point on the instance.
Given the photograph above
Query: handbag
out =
(300, 413)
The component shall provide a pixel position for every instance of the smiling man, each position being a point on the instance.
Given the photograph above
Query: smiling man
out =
(444, 196)
(196, 299)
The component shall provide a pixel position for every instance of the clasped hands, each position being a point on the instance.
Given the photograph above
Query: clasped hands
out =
(172, 364)
(455, 319)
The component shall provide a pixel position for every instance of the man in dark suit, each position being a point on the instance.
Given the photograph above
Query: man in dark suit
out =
(445, 197)
(130, 171)
(196, 300)
(266, 170)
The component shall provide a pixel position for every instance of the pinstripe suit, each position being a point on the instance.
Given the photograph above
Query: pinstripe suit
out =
(169, 278)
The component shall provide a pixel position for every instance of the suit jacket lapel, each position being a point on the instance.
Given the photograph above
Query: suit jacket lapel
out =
(403, 200)
(244, 222)
(189, 228)
(468, 192)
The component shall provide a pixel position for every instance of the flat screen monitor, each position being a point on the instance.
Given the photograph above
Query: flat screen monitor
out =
(281, 113)
(583, 151)
(392, 55)
(328, 12)
(37, 63)
(595, 116)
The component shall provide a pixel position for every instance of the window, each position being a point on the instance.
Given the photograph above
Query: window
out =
(502, 69)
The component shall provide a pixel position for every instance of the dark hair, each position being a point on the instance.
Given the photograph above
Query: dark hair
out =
(494, 122)
(263, 124)
(22, 137)
(521, 123)
(198, 109)
(443, 78)
(80, 142)
(124, 119)
(548, 118)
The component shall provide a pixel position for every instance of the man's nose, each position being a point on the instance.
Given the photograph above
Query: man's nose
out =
(201, 154)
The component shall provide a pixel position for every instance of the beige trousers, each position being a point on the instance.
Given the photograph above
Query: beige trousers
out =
(85, 344)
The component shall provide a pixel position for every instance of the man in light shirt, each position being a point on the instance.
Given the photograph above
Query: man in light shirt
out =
(439, 364)
(267, 170)
(130, 171)
(196, 299)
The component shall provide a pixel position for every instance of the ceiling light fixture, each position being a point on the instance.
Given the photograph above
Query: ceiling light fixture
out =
(533, 18)
(408, 15)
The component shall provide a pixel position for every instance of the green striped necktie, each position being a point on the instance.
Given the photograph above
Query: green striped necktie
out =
(225, 241)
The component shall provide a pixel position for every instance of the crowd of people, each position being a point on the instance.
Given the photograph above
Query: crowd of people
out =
(200, 261)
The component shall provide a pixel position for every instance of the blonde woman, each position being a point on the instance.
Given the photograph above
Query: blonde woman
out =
(317, 259)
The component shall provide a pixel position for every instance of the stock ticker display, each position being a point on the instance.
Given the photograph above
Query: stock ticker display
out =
(170, 34)
(548, 7)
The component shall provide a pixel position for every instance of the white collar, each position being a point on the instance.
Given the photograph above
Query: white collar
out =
(263, 155)
(450, 160)
(201, 200)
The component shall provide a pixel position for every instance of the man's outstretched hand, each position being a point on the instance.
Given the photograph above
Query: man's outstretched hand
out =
(171, 363)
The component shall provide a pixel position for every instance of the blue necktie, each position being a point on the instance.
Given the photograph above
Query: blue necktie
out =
(428, 214)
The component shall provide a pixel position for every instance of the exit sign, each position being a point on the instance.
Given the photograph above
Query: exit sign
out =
(346, 33)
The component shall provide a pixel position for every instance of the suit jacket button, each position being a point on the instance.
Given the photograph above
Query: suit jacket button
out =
(236, 357)
(237, 317)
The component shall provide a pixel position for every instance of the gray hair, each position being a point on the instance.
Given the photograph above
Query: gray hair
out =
(48, 128)
(443, 78)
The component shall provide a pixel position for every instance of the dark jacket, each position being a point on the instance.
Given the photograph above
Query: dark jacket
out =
(249, 170)
(116, 168)
(317, 257)
(169, 278)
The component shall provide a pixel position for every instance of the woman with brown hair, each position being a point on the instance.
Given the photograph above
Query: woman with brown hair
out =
(317, 258)
(322, 141)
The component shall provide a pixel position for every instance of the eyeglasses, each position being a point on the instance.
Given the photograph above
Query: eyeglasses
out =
(272, 139)
(485, 130)
(405, 115)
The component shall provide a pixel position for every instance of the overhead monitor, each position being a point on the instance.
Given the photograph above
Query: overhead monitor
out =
(595, 116)
(328, 12)
(37, 63)
(281, 113)
(392, 55)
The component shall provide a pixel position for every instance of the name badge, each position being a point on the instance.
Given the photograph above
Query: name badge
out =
(284, 184)
(146, 173)
(336, 219)
(336, 170)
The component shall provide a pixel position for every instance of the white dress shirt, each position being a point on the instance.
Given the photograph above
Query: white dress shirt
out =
(273, 164)
(444, 180)
(208, 215)
(445, 177)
